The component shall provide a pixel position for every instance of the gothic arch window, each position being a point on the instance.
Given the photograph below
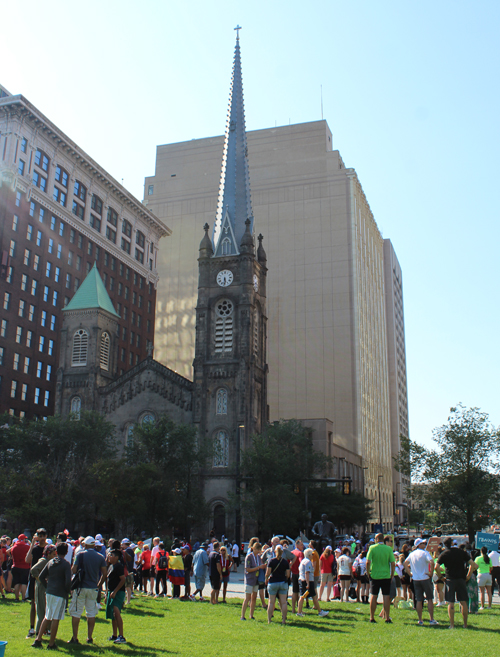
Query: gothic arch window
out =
(104, 352)
(221, 402)
(226, 246)
(147, 418)
(224, 326)
(221, 450)
(129, 435)
(80, 348)
(76, 407)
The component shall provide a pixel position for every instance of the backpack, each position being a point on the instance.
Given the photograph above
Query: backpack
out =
(163, 561)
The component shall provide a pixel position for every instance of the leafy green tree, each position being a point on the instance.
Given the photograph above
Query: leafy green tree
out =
(165, 461)
(46, 466)
(275, 471)
(460, 480)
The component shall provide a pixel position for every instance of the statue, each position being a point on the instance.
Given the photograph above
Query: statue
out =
(324, 533)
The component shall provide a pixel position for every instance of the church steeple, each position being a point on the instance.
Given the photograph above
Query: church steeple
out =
(234, 203)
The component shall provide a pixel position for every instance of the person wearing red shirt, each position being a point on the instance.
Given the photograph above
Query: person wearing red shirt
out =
(146, 570)
(20, 569)
(299, 553)
(326, 561)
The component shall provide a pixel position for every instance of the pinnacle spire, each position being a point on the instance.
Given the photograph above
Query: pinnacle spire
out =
(234, 205)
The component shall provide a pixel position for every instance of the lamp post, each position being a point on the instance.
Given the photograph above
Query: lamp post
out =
(380, 501)
(240, 438)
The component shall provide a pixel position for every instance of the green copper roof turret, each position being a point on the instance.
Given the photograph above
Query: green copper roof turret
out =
(92, 294)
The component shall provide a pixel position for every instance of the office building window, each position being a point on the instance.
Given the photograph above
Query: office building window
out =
(41, 215)
(19, 334)
(50, 350)
(95, 222)
(51, 245)
(37, 396)
(52, 223)
(78, 210)
(24, 144)
(18, 199)
(3, 328)
(112, 217)
(46, 398)
(26, 365)
(111, 234)
(59, 196)
(54, 298)
(39, 238)
(40, 181)
(21, 308)
(24, 282)
(20, 168)
(48, 268)
(48, 372)
(96, 204)
(31, 314)
(61, 228)
(43, 318)
(29, 232)
(36, 262)
(41, 160)
(41, 343)
(13, 389)
(12, 248)
(126, 245)
(127, 228)
(15, 221)
(57, 274)
(80, 191)
(15, 365)
(24, 391)
(61, 176)
(29, 338)
(59, 251)
(52, 322)
(46, 292)
(1, 355)
(150, 190)
(39, 366)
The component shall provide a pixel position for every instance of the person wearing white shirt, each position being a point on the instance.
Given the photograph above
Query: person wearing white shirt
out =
(495, 569)
(419, 565)
(236, 556)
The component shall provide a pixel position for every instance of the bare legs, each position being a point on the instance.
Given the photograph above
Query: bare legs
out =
(250, 598)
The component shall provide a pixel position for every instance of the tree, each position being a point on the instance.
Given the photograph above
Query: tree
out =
(460, 477)
(344, 511)
(46, 466)
(275, 469)
(165, 460)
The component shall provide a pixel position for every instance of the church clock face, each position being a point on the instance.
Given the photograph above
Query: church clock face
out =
(255, 282)
(224, 277)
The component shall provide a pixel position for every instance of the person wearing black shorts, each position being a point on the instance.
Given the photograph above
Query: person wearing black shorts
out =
(215, 571)
(380, 566)
(455, 562)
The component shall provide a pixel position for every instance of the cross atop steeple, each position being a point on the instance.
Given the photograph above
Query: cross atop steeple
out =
(234, 205)
(237, 28)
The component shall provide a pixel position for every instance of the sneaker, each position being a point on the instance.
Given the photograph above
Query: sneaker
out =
(90, 640)
(31, 634)
(192, 598)
(389, 620)
(433, 622)
(52, 647)
(36, 644)
(73, 641)
(372, 620)
(112, 638)
(202, 599)
(120, 639)
(420, 623)
(299, 614)
(323, 613)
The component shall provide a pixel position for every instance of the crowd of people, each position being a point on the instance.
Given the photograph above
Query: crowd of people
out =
(87, 574)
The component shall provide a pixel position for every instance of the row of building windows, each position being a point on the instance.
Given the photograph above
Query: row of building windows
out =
(21, 390)
(60, 194)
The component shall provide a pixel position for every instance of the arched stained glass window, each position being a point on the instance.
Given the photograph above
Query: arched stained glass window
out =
(80, 347)
(221, 407)
(221, 450)
(76, 407)
(104, 353)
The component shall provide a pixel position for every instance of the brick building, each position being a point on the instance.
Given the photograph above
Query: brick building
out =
(60, 213)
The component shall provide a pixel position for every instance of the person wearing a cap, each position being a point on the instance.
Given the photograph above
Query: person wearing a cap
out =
(93, 565)
(419, 565)
(455, 562)
(115, 595)
(20, 569)
(62, 538)
(380, 566)
(200, 570)
(176, 572)
(99, 545)
(35, 553)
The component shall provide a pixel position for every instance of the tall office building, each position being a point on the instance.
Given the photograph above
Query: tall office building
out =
(326, 304)
(60, 213)
(396, 354)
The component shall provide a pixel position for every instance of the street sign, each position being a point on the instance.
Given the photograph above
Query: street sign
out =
(489, 540)
(433, 543)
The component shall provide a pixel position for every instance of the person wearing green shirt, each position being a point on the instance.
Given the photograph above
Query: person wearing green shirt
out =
(484, 579)
(380, 565)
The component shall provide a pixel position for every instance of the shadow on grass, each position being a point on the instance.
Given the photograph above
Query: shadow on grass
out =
(324, 627)
(130, 648)
(135, 611)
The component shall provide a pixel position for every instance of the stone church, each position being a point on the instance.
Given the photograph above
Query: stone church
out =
(227, 398)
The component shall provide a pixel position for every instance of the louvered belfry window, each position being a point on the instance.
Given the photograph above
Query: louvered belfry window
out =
(224, 327)
(80, 348)
(104, 353)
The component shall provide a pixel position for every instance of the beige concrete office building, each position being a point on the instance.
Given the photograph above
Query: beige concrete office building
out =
(327, 332)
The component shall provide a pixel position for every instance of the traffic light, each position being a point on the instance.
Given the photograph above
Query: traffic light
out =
(346, 487)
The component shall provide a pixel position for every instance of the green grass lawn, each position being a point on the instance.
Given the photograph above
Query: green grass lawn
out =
(172, 627)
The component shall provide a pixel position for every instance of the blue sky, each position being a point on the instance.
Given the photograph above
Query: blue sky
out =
(410, 92)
